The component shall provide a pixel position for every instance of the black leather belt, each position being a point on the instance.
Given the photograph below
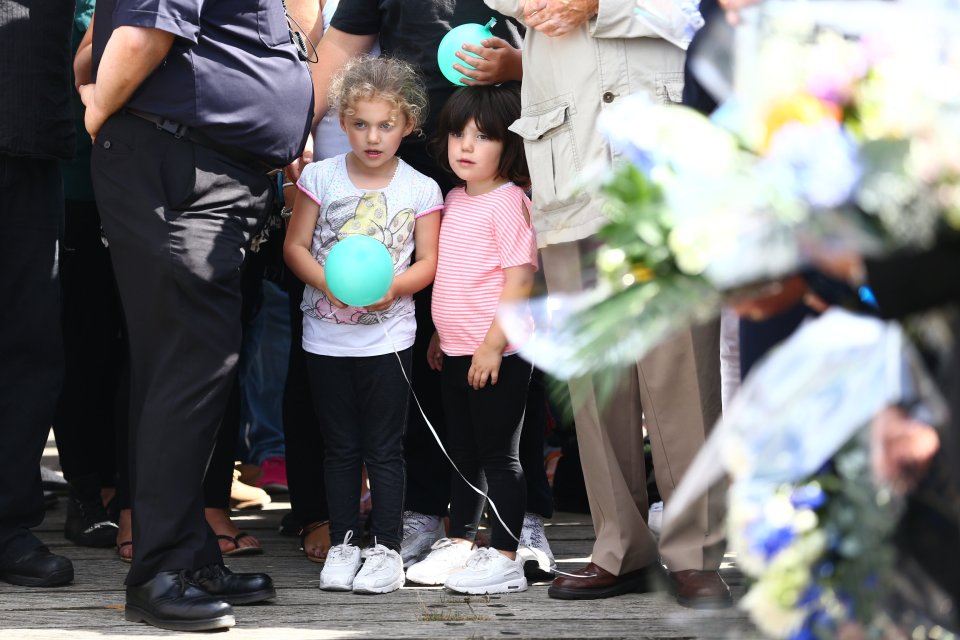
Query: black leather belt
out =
(178, 131)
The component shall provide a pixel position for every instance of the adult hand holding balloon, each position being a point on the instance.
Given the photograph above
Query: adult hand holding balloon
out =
(470, 33)
(359, 270)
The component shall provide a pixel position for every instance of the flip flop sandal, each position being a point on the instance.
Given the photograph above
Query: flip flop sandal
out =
(119, 548)
(307, 530)
(238, 550)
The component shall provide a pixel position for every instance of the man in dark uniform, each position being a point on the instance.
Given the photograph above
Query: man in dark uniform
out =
(35, 131)
(183, 116)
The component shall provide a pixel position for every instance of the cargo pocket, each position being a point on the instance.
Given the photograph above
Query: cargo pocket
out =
(551, 155)
(669, 87)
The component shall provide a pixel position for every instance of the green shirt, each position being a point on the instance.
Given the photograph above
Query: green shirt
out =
(76, 172)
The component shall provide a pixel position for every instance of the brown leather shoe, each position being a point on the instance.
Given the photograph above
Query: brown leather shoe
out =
(592, 582)
(700, 589)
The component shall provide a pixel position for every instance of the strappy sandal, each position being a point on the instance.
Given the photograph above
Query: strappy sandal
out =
(119, 550)
(238, 550)
(307, 530)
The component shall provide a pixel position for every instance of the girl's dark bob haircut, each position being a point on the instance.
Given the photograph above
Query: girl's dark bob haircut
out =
(493, 108)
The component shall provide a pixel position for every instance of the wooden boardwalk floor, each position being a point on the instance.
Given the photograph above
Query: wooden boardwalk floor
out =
(92, 607)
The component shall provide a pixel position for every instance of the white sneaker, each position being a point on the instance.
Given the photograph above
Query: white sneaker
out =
(343, 562)
(382, 571)
(655, 518)
(534, 550)
(445, 557)
(488, 571)
(420, 531)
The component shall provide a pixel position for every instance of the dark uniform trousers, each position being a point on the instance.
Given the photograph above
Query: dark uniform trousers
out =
(31, 348)
(178, 217)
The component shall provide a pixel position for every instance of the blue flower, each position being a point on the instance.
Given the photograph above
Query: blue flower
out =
(818, 162)
(812, 594)
(803, 633)
(808, 496)
(766, 540)
(824, 569)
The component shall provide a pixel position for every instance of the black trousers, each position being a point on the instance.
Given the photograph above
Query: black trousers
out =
(428, 472)
(484, 439)
(532, 436)
(178, 217)
(362, 406)
(31, 348)
(93, 348)
(302, 435)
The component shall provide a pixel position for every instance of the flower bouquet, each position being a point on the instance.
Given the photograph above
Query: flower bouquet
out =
(844, 139)
(809, 525)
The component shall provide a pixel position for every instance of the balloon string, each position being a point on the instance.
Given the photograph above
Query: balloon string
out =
(393, 346)
(434, 432)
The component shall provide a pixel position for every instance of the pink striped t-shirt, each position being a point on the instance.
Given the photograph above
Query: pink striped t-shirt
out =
(480, 236)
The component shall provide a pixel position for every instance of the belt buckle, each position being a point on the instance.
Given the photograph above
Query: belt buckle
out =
(175, 128)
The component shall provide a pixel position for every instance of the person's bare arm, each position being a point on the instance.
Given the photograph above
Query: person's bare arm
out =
(83, 60)
(298, 244)
(335, 49)
(485, 365)
(131, 54)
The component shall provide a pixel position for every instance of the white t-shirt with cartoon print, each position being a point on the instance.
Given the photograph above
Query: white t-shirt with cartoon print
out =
(387, 214)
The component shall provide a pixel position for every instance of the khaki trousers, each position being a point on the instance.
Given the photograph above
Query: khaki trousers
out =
(676, 388)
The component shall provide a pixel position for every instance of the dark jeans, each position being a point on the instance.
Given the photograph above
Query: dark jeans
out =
(362, 406)
(303, 437)
(93, 348)
(178, 217)
(532, 435)
(484, 441)
(428, 472)
(31, 347)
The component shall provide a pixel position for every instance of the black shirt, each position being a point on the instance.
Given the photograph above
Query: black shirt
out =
(231, 73)
(35, 87)
(411, 30)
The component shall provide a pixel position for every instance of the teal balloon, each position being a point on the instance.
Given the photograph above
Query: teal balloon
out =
(470, 33)
(359, 270)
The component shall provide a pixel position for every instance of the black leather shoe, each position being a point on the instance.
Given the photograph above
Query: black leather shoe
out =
(88, 524)
(172, 600)
(38, 568)
(235, 588)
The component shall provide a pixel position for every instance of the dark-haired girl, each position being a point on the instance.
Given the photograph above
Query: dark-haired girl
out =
(487, 255)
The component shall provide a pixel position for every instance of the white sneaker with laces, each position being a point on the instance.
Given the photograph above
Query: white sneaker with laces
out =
(420, 531)
(343, 562)
(488, 571)
(655, 518)
(445, 557)
(382, 571)
(534, 550)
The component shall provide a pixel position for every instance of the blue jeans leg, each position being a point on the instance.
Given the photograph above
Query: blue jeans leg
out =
(263, 376)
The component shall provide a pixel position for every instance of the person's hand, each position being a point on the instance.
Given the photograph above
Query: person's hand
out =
(384, 303)
(732, 7)
(772, 300)
(484, 366)
(494, 62)
(334, 300)
(901, 449)
(434, 354)
(558, 17)
(93, 117)
(293, 170)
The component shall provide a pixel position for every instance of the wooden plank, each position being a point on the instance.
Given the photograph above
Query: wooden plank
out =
(91, 608)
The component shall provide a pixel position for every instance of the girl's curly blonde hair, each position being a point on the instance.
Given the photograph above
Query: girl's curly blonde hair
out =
(368, 78)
